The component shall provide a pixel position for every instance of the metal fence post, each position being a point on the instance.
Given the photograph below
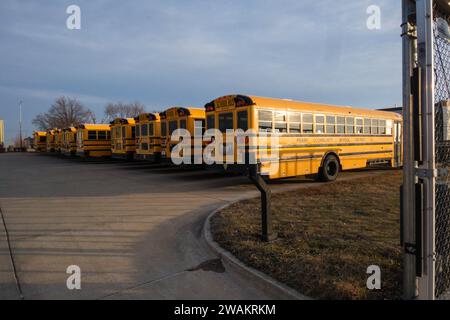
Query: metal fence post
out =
(426, 171)
(408, 188)
(426, 130)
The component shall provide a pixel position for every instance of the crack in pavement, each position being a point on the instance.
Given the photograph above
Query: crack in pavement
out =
(11, 256)
(213, 265)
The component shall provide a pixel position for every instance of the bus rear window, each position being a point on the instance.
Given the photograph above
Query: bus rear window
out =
(163, 129)
(242, 120)
(92, 135)
(199, 127)
(144, 130)
(172, 126)
(151, 130)
(225, 121)
(138, 130)
(210, 121)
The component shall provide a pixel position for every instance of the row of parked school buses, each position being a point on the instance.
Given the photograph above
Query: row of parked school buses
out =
(313, 138)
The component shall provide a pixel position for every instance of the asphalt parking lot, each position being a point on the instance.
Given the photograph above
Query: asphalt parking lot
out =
(134, 229)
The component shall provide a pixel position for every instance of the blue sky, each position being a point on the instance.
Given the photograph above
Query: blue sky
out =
(165, 53)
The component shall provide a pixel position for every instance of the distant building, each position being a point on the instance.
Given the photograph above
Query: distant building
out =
(2, 132)
(398, 110)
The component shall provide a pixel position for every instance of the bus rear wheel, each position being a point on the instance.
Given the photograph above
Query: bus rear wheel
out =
(330, 169)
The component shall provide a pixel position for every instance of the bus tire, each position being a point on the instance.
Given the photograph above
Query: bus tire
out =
(330, 169)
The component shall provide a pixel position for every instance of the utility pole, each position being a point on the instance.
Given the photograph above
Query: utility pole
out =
(20, 125)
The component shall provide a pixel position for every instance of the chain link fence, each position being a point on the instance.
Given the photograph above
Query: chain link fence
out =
(442, 94)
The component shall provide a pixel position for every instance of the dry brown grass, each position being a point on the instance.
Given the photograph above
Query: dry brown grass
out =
(327, 237)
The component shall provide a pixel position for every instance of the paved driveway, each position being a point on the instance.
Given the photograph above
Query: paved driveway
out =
(133, 229)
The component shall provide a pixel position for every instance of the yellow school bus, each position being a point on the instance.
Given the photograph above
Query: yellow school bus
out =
(58, 140)
(69, 141)
(50, 140)
(148, 137)
(191, 119)
(123, 138)
(94, 140)
(313, 138)
(40, 141)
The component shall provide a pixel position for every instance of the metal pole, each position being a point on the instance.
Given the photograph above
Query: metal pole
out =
(427, 172)
(408, 205)
(20, 124)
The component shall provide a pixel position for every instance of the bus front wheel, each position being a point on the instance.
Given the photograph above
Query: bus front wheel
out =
(330, 169)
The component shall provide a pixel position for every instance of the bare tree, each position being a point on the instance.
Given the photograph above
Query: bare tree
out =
(64, 112)
(123, 110)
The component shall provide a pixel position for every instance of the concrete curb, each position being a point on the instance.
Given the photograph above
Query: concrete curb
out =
(269, 285)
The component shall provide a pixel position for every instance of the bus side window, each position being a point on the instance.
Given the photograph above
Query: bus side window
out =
(295, 120)
(382, 127)
(320, 124)
(102, 135)
(133, 132)
(340, 125)
(350, 125)
(367, 125)
(265, 120)
(389, 125)
(307, 123)
(359, 126)
(92, 135)
(374, 126)
(108, 135)
(331, 124)
(242, 120)
(280, 122)
(210, 121)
